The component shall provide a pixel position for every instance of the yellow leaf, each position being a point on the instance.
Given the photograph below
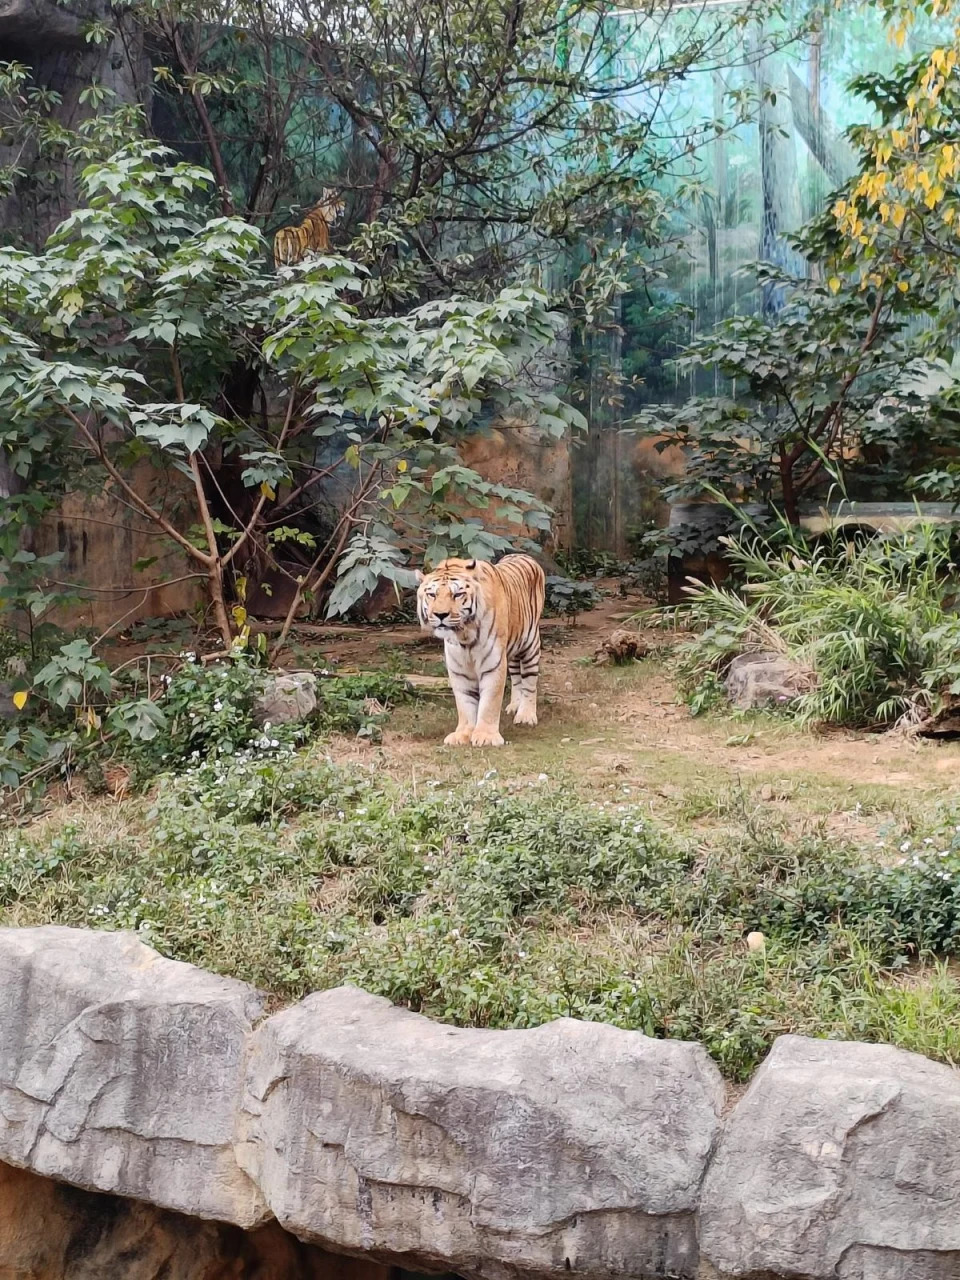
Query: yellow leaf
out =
(834, 282)
(20, 699)
(899, 214)
(268, 490)
(402, 465)
(239, 615)
(87, 716)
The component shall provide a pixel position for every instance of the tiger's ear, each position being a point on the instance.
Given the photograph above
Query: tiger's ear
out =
(418, 576)
(471, 564)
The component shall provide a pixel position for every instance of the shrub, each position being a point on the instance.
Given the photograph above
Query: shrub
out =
(566, 598)
(872, 623)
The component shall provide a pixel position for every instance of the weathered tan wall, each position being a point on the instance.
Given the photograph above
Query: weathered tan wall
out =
(102, 539)
(521, 457)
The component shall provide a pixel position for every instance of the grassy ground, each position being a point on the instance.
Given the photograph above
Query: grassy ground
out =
(607, 864)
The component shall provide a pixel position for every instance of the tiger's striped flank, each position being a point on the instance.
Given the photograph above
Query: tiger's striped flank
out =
(312, 235)
(488, 617)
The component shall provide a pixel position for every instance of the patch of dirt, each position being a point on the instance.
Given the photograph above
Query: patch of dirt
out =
(609, 721)
(620, 726)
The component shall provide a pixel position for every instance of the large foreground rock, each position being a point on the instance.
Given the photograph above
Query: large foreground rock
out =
(575, 1146)
(842, 1161)
(122, 1071)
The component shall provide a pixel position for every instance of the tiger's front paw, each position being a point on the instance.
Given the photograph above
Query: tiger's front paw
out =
(486, 738)
(459, 738)
(525, 715)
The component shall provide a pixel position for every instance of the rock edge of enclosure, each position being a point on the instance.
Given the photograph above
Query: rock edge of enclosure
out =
(573, 1147)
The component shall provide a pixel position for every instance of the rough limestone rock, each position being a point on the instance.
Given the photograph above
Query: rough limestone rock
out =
(574, 1146)
(759, 679)
(287, 699)
(842, 1161)
(122, 1071)
(50, 1231)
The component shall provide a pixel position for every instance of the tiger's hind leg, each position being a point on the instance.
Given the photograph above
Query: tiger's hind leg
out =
(525, 691)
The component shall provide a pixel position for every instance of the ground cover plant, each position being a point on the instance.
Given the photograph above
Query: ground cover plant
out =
(507, 902)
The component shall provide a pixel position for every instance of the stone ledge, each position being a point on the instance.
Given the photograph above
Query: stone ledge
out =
(374, 1132)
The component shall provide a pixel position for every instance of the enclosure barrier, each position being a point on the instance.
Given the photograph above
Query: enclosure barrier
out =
(373, 1132)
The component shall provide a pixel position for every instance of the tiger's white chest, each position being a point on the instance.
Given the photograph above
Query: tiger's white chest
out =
(460, 654)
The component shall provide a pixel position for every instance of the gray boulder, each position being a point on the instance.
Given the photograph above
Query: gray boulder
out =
(574, 1146)
(760, 679)
(287, 699)
(842, 1161)
(122, 1071)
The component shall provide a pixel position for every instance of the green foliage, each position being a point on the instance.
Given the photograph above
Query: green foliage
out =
(566, 598)
(116, 344)
(585, 562)
(74, 677)
(208, 712)
(494, 905)
(828, 385)
(873, 624)
(846, 376)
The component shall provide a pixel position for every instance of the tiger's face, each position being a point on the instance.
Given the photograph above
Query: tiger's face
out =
(330, 205)
(447, 598)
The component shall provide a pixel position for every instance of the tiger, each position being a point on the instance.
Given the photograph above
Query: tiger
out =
(488, 617)
(292, 244)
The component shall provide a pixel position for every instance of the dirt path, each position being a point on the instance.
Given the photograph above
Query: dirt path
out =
(622, 730)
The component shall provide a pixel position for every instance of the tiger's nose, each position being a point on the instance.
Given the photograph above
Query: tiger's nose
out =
(441, 616)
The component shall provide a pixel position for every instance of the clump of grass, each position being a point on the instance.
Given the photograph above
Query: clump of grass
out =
(873, 624)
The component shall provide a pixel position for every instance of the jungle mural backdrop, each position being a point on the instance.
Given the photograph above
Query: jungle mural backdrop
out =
(735, 204)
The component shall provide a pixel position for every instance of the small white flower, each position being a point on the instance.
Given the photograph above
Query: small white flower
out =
(541, 777)
(905, 846)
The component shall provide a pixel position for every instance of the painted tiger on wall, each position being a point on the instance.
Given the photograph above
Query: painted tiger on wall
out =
(488, 617)
(312, 235)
